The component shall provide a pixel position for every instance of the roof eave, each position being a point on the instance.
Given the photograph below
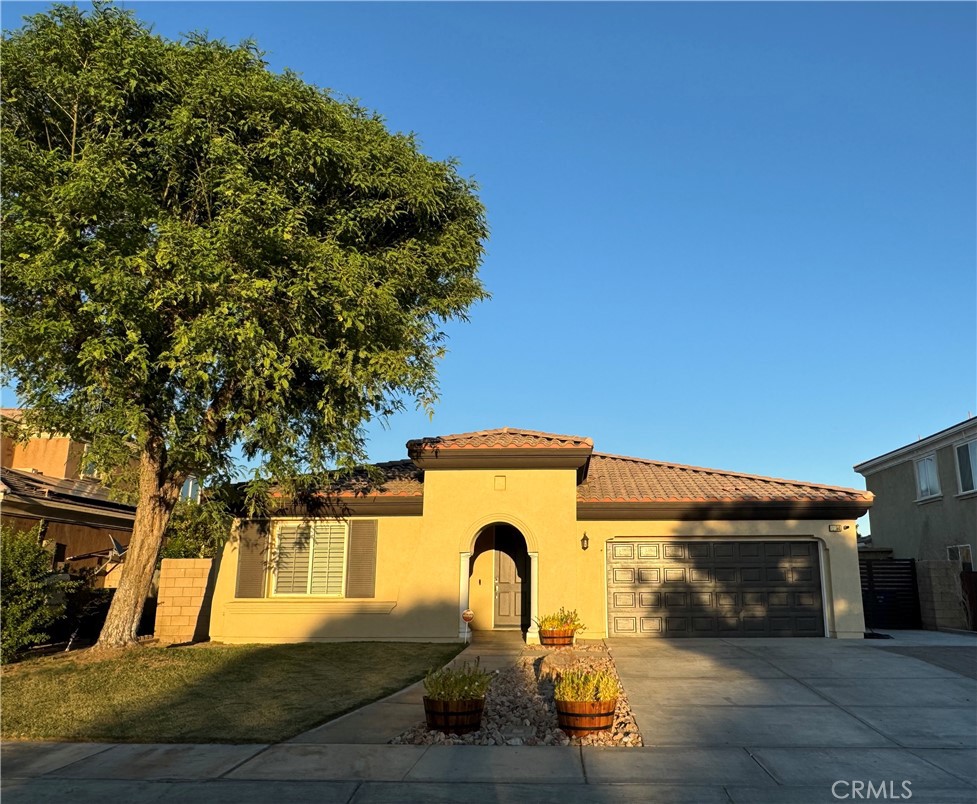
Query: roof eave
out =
(93, 515)
(703, 510)
(501, 457)
(332, 506)
(943, 438)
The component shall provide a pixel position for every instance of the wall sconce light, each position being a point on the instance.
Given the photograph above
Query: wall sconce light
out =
(585, 541)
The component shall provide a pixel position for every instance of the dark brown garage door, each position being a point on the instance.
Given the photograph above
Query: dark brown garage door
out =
(713, 589)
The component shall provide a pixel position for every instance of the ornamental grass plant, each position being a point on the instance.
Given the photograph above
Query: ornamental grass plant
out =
(464, 683)
(586, 685)
(561, 620)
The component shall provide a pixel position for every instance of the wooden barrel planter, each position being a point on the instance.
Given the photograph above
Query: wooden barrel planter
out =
(578, 718)
(556, 637)
(454, 717)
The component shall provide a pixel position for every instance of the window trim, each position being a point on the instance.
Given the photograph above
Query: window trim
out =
(273, 569)
(936, 471)
(956, 463)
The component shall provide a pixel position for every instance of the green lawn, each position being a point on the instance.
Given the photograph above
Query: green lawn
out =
(205, 693)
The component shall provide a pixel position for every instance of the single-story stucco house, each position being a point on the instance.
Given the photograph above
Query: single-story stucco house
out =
(515, 523)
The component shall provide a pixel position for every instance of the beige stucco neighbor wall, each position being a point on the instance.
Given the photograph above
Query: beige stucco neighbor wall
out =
(422, 572)
(941, 602)
(180, 601)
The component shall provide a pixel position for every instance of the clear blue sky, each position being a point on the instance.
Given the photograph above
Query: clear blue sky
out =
(731, 235)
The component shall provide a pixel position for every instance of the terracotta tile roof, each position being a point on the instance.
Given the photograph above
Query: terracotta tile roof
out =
(396, 479)
(609, 478)
(615, 478)
(499, 438)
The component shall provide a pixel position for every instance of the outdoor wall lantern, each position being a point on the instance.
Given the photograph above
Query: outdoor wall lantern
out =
(585, 541)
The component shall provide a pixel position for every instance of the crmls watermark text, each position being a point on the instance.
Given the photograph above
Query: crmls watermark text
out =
(856, 789)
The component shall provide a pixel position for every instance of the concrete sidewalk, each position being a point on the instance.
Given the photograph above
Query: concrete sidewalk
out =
(370, 774)
(732, 721)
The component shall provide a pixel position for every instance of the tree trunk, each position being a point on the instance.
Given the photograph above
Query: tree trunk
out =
(158, 494)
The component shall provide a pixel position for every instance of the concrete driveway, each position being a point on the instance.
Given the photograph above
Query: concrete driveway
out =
(747, 721)
(782, 720)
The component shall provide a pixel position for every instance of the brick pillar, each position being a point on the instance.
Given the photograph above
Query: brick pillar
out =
(182, 589)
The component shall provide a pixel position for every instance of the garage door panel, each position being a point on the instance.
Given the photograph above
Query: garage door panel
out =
(649, 575)
(652, 625)
(622, 551)
(625, 625)
(677, 625)
(676, 600)
(751, 575)
(713, 588)
(703, 626)
(623, 575)
(801, 575)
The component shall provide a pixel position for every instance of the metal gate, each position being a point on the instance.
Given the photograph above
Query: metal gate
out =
(890, 596)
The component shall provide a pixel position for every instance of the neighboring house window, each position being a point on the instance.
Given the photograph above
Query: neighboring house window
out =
(190, 490)
(967, 465)
(927, 481)
(310, 559)
(962, 554)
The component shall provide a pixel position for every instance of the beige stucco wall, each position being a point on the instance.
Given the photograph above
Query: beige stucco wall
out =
(922, 529)
(423, 561)
(52, 457)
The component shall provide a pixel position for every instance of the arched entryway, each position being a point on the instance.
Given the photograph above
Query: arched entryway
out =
(500, 579)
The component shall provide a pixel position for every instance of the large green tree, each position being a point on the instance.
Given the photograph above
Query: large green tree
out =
(201, 255)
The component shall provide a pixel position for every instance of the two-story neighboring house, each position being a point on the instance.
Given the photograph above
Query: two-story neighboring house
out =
(926, 496)
(926, 509)
(43, 482)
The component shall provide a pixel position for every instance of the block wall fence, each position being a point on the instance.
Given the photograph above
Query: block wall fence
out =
(941, 600)
(183, 605)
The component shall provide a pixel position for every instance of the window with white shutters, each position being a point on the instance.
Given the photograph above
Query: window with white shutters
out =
(310, 559)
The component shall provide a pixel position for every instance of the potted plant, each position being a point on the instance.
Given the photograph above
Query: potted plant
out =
(586, 701)
(558, 629)
(455, 698)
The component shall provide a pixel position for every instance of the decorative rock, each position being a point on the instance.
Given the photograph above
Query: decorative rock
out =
(520, 710)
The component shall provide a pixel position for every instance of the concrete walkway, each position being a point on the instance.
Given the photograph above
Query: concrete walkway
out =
(776, 721)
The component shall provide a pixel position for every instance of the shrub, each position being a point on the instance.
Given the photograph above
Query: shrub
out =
(463, 683)
(196, 530)
(32, 597)
(586, 685)
(561, 620)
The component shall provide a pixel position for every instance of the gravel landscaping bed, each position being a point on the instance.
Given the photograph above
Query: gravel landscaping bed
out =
(520, 710)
